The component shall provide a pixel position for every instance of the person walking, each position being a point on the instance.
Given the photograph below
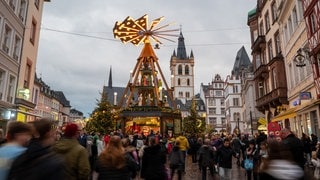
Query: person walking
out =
(83, 138)
(294, 146)
(176, 161)
(206, 159)
(224, 160)
(39, 161)
(280, 164)
(250, 151)
(184, 146)
(236, 146)
(307, 148)
(153, 162)
(18, 137)
(77, 166)
(114, 162)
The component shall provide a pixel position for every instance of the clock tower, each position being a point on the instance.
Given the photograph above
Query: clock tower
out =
(182, 72)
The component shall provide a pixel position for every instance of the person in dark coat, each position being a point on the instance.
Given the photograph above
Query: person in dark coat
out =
(153, 162)
(39, 161)
(294, 146)
(314, 141)
(176, 161)
(206, 159)
(193, 148)
(114, 162)
(83, 139)
(280, 165)
(224, 159)
(307, 149)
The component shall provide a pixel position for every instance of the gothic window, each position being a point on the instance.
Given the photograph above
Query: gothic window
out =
(187, 94)
(188, 82)
(179, 81)
(180, 69)
(186, 70)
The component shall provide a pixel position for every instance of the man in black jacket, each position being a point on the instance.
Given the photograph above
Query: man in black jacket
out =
(224, 159)
(294, 146)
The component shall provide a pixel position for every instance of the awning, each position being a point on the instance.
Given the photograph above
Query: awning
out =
(285, 115)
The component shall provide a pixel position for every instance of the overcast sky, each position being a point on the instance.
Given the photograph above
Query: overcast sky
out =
(77, 47)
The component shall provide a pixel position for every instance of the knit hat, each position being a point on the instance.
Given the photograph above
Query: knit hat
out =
(71, 130)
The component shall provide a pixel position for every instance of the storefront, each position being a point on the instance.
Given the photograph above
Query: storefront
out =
(300, 119)
(145, 119)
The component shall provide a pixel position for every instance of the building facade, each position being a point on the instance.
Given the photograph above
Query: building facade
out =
(19, 37)
(268, 61)
(233, 103)
(12, 25)
(182, 72)
(28, 61)
(213, 96)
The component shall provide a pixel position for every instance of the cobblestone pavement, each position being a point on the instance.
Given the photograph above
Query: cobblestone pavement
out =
(193, 173)
(237, 173)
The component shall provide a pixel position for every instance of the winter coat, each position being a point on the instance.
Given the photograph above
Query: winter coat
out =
(37, 162)
(124, 173)
(153, 163)
(184, 143)
(206, 156)
(224, 157)
(282, 169)
(176, 157)
(76, 158)
(295, 146)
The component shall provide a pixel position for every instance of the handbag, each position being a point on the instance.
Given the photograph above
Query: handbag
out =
(248, 164)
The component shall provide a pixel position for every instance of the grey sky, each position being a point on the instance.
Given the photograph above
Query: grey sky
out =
(79, 65)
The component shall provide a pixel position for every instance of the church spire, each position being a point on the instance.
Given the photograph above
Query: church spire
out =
(181, 52)
(110, 78)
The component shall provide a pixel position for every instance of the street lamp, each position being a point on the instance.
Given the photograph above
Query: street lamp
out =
(238, 125)
(251, 122)
(301, 57)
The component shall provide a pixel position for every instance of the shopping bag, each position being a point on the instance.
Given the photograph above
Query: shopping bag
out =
(248, 164)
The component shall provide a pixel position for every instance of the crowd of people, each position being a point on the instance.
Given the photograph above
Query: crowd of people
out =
(38, 151)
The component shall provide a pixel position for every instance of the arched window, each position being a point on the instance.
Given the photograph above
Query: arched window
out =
(188, 82)
(179, 81)
(186, 70)
(180, 69)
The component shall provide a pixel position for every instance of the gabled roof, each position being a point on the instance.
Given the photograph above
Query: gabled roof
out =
(62, 99)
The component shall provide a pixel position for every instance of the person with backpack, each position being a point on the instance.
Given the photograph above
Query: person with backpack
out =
(206, 158)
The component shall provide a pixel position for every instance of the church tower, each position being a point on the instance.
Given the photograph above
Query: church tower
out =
(182, 72)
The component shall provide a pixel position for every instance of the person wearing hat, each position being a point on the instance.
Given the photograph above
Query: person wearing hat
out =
(77, 166)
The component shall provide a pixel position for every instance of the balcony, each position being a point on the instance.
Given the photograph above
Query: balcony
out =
(259, 43)
(262, 72)
(272, 99)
